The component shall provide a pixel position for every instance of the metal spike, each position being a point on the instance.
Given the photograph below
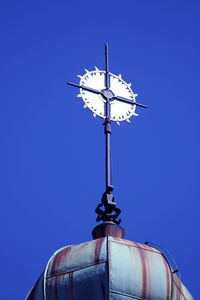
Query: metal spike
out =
(127, 120)
(135, 114)
(118, 123)
(120, 76)
(94, 115)
(85, 106)
(86, 71)
(129, 84)
(79, 96)
(96, 69)
(135, 95)
(80, 76)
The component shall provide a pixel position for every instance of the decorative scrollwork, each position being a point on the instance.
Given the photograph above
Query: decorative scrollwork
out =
(110, 212)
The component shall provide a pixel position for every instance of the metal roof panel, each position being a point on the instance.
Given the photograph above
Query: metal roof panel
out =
(109, 268)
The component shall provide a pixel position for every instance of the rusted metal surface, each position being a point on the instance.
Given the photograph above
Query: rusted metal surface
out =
(141, 272)
(108, 229)
(78, 257)
(180, 292)
(109, 268)
(78, 272)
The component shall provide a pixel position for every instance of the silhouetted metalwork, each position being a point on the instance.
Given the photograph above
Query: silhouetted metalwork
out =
(110, 212)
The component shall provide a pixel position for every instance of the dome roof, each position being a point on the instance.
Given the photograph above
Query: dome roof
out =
(108, 268)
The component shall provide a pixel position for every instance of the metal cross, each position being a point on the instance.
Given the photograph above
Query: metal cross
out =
(110, 213)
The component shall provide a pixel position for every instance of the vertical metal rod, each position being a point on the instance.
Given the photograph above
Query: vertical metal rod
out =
(107, 67)
(107, 124)
(107, 132)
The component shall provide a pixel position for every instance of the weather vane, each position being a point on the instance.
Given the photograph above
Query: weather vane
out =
(112, 99)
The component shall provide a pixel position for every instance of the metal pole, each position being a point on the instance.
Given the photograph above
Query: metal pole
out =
(107, 124)
(107, 131)
(107, 67)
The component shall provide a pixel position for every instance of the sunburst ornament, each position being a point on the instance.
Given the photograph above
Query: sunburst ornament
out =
(119, 95)
(119, 111)
(111, 98)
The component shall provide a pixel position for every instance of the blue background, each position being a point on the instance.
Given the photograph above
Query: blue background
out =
(52, 150)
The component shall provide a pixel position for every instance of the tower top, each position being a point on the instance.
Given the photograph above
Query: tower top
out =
(109, 267)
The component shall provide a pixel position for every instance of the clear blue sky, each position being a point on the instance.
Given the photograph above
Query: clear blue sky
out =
(52, 150)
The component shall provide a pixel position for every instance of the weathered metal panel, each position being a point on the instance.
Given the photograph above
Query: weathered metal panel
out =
(89, 283)
(78, 256)
(79, 272)
(114, 296)
(109, 268)
(138, 271)
(180, 292)
(185, 292)
(108, 229)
